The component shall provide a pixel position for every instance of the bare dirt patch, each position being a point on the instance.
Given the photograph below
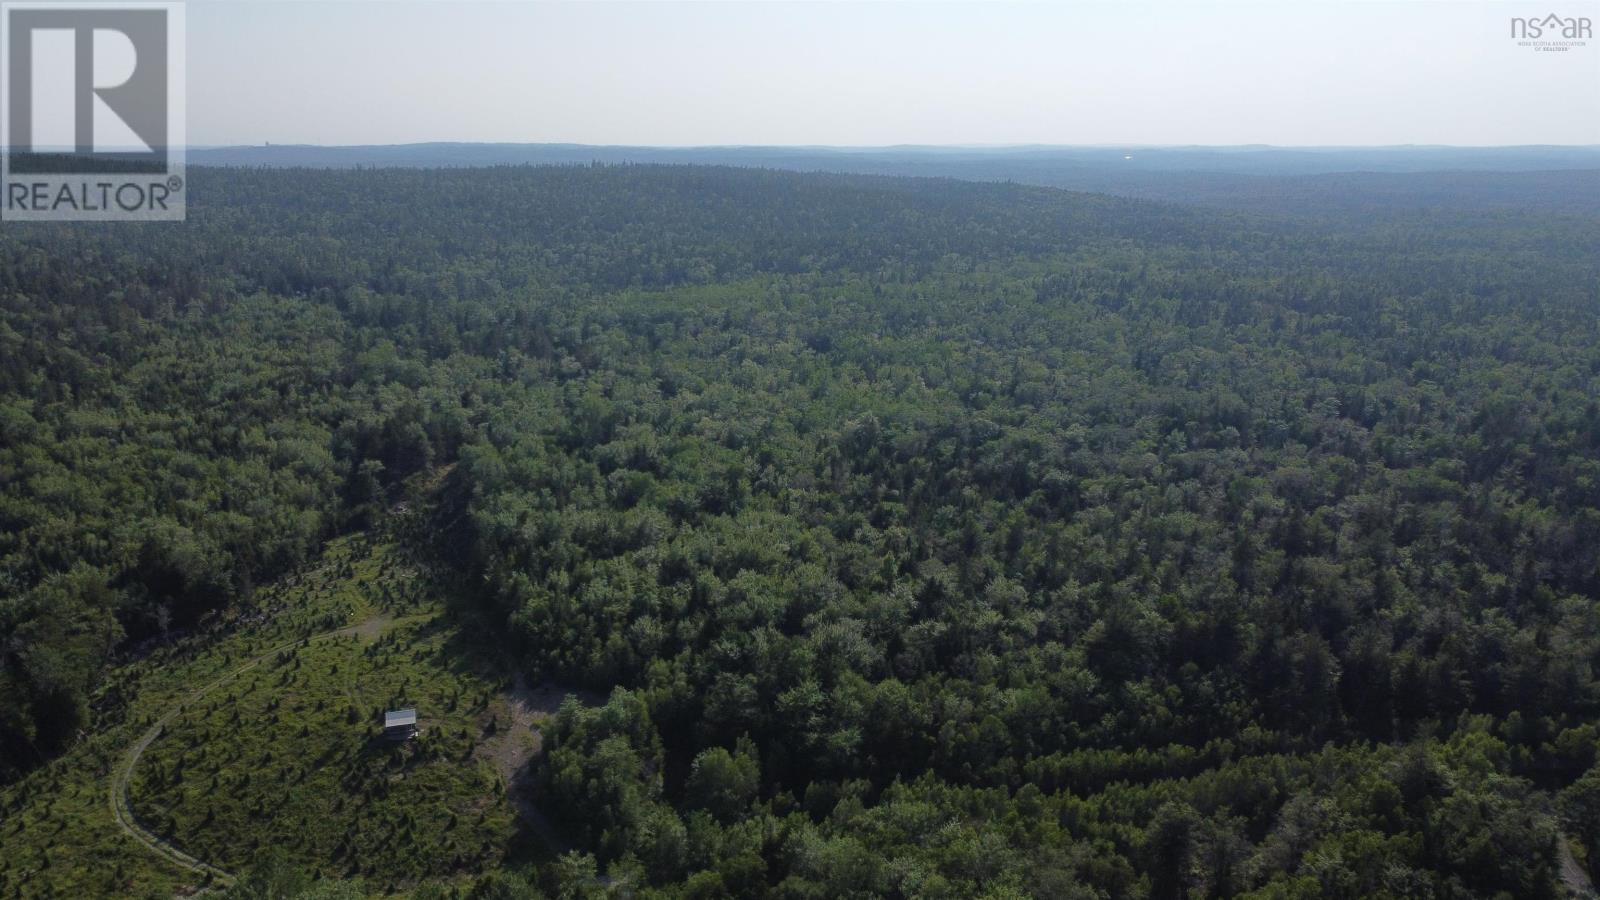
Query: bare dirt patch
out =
(1573, 876)
(373, 627)
(518, 715)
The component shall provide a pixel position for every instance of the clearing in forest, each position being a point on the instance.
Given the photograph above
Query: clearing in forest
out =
(266, 735)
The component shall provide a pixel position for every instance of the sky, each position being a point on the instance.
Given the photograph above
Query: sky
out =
(669, 73)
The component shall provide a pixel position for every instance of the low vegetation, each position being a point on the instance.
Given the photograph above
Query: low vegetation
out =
(284, 758)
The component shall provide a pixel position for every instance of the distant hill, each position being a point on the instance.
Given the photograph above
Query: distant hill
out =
(1248, 160)
(1355, 180)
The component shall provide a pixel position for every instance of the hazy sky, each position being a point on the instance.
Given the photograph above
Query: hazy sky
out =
(684, 73)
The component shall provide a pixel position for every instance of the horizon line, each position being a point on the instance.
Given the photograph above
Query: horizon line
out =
(901, 146)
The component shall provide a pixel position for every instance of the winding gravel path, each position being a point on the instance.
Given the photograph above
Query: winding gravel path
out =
(123, 812)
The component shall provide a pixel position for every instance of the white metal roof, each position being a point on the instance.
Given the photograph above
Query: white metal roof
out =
(397, 717)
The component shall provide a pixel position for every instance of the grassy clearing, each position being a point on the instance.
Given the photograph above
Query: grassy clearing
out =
(291, 759)
(285, 755)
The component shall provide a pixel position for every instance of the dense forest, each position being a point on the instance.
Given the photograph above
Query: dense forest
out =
(919, 537)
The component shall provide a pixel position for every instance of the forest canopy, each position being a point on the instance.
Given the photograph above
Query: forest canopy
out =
(925, 538)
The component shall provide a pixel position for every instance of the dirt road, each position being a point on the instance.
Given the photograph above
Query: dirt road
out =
(123, 813)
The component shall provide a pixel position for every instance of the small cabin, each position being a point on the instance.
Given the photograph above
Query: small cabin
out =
(400, 724)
